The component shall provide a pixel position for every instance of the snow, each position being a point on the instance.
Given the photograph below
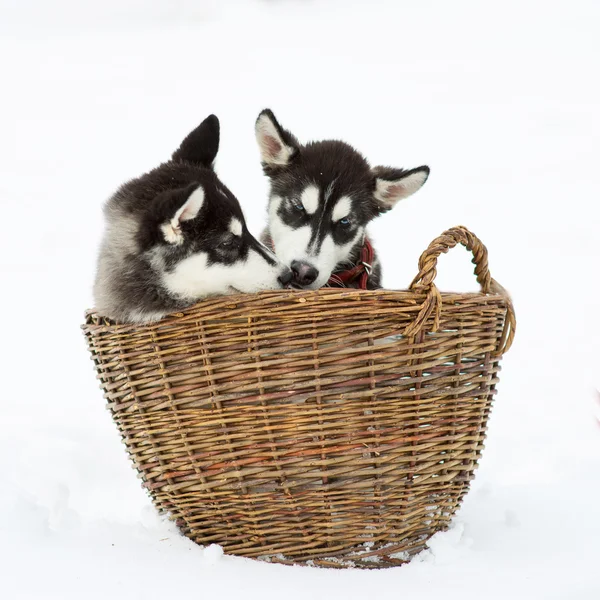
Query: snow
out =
(501, 100)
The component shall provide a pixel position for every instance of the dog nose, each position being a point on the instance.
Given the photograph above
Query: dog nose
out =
(285, 278)
(304, 273)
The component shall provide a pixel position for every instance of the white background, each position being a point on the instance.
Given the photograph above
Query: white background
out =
(500, 99)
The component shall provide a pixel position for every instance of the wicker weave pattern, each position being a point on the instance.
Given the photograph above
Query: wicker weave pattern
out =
(311, 426)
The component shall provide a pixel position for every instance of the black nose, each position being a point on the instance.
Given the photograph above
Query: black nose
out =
(285, 278)
(304, 273)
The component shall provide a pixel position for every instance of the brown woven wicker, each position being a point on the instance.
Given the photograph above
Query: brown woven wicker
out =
(332, 427)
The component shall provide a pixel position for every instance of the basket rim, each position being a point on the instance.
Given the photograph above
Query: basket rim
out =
(95, 321)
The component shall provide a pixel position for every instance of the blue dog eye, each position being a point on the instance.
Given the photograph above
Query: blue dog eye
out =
(297, 206)
(344, 222)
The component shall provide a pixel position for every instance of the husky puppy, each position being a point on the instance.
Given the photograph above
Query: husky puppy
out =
(323, 195)
(176, 235)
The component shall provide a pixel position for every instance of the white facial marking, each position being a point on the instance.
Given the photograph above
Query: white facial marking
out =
(273, 150)
(288, 241)
(391, 192)
(341, 208)
(193, 278)
(235, 226)
(310, 199)
(330, 254)
(292, 244)
(172, 229)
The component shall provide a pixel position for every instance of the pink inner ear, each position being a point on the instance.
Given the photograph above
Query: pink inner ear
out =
(187, 214)
(393, 190)
(273, 146)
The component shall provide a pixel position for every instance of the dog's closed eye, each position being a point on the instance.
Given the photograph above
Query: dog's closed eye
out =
(231, 243)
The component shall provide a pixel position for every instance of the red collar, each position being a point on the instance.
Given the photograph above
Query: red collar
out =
(359, 273)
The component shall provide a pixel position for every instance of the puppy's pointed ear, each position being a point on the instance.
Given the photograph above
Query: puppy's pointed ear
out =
(277, 146)
(200, 147)
(393, 185)
(184, 205)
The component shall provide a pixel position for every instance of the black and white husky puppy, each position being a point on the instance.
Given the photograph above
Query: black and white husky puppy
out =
(176, 235)
(323, 195)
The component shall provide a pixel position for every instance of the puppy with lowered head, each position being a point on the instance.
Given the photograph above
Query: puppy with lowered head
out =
(176, 235)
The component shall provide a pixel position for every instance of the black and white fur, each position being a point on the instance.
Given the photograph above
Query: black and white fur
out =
(176, 235)
(323, 195)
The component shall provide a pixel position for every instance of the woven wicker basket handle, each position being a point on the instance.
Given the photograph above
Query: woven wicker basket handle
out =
(424, 281)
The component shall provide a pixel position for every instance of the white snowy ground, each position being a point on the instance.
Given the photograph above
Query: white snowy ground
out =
(500, 99)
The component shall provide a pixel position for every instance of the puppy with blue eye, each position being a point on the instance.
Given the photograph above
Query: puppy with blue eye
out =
(322, 197)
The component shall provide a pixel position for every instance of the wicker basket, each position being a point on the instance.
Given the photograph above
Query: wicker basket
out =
(337, 427)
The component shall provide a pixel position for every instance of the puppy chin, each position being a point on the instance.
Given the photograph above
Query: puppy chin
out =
(313, 286)
(318, 284)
